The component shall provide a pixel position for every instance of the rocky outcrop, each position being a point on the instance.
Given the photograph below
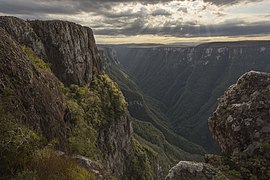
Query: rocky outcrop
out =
(34, 97)
(69, 48)
(241, 120)
(188, 170)
(241, 125)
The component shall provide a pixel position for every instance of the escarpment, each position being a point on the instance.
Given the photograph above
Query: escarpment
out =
(241, 126)
(70, 48)
(65, 102)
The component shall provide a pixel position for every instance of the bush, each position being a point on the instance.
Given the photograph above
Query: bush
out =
(92, 108)
(17, 144)
(142, 162)
(50, 165)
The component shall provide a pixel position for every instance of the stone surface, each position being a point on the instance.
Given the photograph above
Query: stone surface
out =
(187, 170)
(241, 121)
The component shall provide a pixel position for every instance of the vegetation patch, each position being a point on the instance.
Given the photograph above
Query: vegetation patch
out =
(244, 166)
(39, 63)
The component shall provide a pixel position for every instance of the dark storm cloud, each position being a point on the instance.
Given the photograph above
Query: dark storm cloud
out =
(128, 22)
(229, 2)
(191, 30)
(31, 7)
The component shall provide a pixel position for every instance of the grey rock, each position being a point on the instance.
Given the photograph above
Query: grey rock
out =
(187, 170)
(251, 115)
(91, 166)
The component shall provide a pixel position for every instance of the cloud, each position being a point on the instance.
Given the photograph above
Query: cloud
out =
(160, 12)
(190, 29)
(183, 9)
(73, 7)
(179, 18)
(230, 2)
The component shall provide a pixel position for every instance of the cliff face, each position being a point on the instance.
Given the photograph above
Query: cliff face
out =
(54, 111)
(68, 47)
(71, 50)
(188, 80)
(241, 126)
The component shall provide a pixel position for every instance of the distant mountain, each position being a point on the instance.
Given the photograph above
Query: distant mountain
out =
(189, 80)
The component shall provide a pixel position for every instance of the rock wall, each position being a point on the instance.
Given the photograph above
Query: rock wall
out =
(71, 50)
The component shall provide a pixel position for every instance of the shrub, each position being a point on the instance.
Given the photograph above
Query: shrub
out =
(50, 165)
(17, 144)
(141, 163)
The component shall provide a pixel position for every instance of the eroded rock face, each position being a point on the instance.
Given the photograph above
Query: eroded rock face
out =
(34, 97)
(188, 170)
(69, 48)
(241, 121)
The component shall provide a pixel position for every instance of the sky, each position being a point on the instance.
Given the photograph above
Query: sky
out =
(154, 21)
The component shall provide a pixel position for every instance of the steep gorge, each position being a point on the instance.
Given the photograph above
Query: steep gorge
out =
(188, 80)
(149, 123)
